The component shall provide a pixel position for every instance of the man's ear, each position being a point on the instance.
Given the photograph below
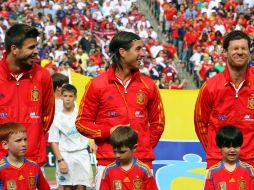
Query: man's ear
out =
(122, 52)
(14, 49)
(4, 144)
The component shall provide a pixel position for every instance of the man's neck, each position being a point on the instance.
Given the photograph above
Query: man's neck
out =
(237, 76)
(123, 74)
(13, 67)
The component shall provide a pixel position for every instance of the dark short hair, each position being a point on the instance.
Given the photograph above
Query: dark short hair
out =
(121, 40)
(123, 136)
(58, 80)
(229, 136)
(235, 35)
(17, 34)
(69, 88)
(7, 129)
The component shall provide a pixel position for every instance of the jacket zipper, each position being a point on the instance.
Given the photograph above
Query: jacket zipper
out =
(123, 96)
(237, 88)
(17, 92)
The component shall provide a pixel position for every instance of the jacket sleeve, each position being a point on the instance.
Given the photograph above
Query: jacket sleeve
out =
(209, 185)
(150, 183)
(105, 183)
(202, 112)
(88, 109)
(48, 105)
(156, 117)
(42, 183)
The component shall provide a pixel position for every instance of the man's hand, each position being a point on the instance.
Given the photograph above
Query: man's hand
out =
(63, 167)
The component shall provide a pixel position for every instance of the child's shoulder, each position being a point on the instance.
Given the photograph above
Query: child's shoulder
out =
(3, 164)
(246, 166)
(109, 167)
(144, 167)
(216, 167)
(31, 162)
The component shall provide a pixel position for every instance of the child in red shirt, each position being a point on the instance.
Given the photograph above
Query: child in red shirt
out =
(16, 172)
(126, 173)
(230, 173)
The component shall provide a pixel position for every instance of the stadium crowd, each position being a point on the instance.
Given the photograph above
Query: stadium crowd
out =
(196, 28)
(76, 34)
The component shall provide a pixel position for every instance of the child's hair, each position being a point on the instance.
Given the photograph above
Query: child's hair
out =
(7, 129)
(58, 80)
(229, 136)
(69, 88)
(123, 136)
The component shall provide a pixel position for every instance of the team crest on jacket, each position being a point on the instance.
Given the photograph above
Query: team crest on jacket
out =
(222, 186)
(117, 184)
(251, 102)
(138, 184)
(11, 185)
(140, 98)
(35, 95)
(242, 184)
(32, 182)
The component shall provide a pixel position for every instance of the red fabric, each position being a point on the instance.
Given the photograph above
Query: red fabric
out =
(176, 87)
(250, 29)
(190, 37)
(28, 176)
(138, 176)
(203, 70)
(170, 13)
(174, 27)
(17, 105)
(217, 105)
(230, 3)
(218, 176)
(105, 104)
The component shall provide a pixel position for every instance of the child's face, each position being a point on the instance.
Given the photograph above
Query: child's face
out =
(230, 154)
(68, 99)
(124, 154)
(16, 144)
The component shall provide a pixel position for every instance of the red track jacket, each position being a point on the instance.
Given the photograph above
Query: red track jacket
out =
(106, 104)
(219, 104)
(29, 101)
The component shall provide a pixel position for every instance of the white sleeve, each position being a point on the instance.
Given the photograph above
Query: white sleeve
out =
(54, 133)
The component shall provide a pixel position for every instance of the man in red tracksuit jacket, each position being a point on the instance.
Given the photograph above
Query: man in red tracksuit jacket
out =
(26, 90)
(228, 99)
(122, 96)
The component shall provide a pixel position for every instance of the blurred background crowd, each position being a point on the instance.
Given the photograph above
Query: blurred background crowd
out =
(178, 34)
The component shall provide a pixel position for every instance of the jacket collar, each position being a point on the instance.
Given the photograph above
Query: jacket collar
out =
(112, 75)
(247, 76)
(5, 72)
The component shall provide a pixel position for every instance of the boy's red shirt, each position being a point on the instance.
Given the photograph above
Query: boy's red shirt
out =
(28, 176)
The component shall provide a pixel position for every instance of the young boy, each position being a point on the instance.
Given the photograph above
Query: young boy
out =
(126, 172)
(230, 173)
(73, 167)
(16, 172)
(58, 81)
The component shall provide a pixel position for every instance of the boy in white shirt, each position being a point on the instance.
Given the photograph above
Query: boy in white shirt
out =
(73, 167)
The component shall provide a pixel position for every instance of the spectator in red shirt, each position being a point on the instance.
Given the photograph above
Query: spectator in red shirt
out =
(190, 38)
